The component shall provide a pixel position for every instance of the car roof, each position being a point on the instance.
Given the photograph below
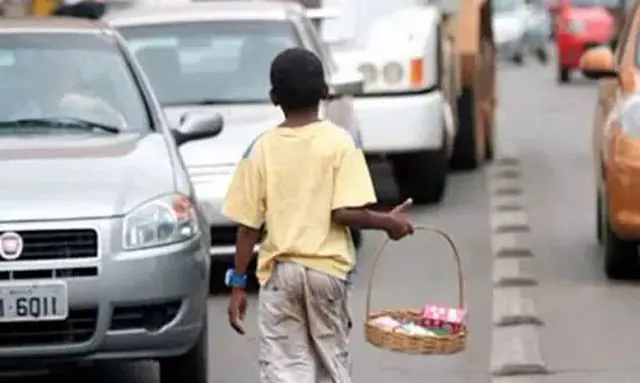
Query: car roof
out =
(51, 25)
(206, 11)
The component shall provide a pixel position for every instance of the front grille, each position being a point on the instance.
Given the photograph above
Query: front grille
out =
(63, 272)
(79, 327)
(42, 245)
(225, 235)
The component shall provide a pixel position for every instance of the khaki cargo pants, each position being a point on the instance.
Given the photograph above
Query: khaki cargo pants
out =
(304, 326)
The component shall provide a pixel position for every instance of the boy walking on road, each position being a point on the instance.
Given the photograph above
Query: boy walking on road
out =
(308, 183)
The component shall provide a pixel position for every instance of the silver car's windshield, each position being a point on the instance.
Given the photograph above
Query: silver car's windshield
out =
(210, 62)
(72, 80)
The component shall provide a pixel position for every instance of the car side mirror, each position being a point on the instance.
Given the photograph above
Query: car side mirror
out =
(597, 63)
(346, 84)
(196, 126)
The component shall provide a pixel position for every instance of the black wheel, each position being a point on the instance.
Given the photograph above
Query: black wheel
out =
(421, 175)
(620, 256)
(518, 58)
(542, 55)
(489, 141)
(190, 367)
(599, 217)
(564, 75)
(465, 154)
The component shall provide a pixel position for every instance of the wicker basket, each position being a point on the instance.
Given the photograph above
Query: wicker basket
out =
(414, 344)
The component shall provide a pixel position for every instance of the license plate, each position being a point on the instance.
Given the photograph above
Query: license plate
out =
(33, 302)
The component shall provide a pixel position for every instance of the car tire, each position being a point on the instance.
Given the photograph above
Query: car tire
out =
(620, 256)
(489, 141)
(422, 175)
(542, 55)
(190, 367)
(518, 58)
(465, 153)
(564, 75)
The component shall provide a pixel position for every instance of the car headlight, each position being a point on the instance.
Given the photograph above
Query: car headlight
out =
(162, 221)
(392, 73)
(576, 27)
(369, 73)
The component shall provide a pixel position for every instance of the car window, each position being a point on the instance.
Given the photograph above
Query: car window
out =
(221, 61)
(75, 76)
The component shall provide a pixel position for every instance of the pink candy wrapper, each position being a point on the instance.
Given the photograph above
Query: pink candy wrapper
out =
(435, 316)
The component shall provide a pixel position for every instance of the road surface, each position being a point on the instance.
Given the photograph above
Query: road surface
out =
(590, 332)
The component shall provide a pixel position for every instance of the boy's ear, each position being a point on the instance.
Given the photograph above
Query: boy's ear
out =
(273, 98)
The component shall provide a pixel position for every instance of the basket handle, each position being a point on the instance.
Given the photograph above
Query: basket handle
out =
(456, 255)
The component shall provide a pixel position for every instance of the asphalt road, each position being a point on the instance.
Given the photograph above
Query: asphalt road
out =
(591, 331)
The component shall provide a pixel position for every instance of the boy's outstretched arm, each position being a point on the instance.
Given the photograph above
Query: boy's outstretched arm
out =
(394, 222)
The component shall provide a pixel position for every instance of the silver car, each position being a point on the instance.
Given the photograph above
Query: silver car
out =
(521, 27)
(215, 57)
(102, 248)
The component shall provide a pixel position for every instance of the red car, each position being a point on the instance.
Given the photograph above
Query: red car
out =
(580, 25)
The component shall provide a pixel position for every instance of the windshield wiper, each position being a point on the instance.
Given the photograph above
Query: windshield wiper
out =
(61, 122)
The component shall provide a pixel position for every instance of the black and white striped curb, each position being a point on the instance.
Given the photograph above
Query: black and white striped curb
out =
(515, 349)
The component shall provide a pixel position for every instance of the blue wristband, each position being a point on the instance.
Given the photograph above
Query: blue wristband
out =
(234, 279)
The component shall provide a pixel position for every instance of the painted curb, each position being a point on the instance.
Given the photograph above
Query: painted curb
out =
(511, 245)
(509, 221)
(512, 306)
(515, 351)
(512, 272)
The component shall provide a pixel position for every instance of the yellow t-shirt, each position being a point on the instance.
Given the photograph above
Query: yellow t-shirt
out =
(290, 179)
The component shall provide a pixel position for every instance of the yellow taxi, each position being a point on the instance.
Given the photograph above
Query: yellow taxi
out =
(616, 146)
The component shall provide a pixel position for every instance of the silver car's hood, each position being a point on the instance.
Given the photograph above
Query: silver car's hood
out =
(80, 176)
(242, 124)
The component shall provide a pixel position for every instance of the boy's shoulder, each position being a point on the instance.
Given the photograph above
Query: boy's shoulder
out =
(340, 135)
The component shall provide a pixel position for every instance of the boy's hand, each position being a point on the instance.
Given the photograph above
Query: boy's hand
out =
(401, 226)
(237, 309)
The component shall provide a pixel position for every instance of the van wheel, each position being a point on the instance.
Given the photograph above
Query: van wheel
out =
(422, 175)
(489, 140)
(564, 75)
(190, 367)
(620, 256)
(465, 153)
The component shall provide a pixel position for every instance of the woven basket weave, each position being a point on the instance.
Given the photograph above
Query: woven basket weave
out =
(414, 344)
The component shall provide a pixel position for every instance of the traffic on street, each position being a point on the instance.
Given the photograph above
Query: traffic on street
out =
(121, 268)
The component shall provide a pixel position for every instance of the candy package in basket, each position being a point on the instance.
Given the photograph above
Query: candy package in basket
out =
(445, 318)
(435, 320)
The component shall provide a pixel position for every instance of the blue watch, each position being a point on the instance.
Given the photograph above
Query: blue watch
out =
(234, 279)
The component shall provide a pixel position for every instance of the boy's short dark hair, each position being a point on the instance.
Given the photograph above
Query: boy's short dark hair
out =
(297, 79)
